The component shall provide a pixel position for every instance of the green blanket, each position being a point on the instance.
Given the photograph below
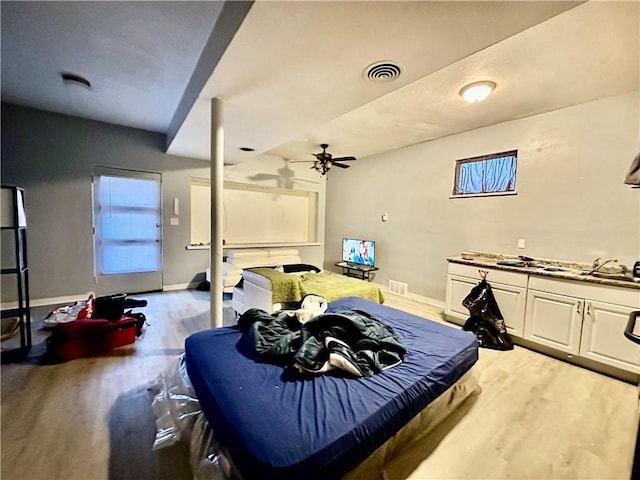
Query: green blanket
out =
(285, 286)
(333, 286)
(288, 287)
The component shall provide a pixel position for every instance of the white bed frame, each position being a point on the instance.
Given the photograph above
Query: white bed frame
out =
(255, 292)
(240, 258)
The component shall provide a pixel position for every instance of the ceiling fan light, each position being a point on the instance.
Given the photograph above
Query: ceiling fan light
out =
(477, 91)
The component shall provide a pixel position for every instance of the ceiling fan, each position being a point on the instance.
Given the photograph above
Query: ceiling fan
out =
(324, 160)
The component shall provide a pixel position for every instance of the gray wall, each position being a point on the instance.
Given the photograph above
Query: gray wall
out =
(51, 156)
(571, 202)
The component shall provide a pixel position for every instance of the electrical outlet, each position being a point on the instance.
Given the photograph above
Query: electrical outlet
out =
(174, 221)
(521, 243)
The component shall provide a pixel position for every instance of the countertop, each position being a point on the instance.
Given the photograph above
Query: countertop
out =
(536, 267)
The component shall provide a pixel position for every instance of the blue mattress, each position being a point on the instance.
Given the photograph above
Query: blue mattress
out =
(277, 424)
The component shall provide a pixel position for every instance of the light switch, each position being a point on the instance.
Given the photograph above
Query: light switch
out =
(175, 221)
(384, 217)
(521, 243)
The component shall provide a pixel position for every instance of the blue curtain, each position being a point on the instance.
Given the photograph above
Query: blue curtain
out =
(487, 176)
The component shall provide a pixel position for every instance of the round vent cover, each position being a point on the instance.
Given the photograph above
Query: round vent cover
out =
(382, 72)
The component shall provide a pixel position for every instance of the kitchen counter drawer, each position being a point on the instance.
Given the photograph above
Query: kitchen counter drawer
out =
(601, 293)
(495, 275)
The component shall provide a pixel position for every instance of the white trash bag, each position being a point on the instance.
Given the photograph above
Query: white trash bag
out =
(175, 405)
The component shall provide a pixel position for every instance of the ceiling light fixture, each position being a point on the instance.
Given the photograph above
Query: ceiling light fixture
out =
(477, 91)
(73, 79)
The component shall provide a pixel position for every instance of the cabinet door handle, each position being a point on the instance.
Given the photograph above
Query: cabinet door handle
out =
(589, 308)
(631, 324)
(580, 308)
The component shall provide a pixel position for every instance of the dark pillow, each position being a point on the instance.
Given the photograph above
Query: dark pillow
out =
(300, 267)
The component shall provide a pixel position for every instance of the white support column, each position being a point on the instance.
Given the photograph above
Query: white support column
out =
(217, 185)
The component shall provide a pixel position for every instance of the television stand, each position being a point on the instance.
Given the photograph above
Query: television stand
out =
(362, 272)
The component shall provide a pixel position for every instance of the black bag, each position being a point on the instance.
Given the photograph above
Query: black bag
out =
(140, 319)
(486, 321)
(110, 307)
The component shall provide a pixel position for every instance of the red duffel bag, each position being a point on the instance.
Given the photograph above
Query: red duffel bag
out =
(89, 336)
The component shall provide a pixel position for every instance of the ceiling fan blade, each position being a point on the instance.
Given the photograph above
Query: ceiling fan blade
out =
(343, 159)
(341, 165)
(301, 161)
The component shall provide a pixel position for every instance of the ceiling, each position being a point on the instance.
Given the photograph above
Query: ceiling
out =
(291, 76)
(138, 56)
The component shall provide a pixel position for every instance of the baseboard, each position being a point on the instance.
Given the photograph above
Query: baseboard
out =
(427, 300)
(419, 298)
(180, 286)
(41, 302)
(69, 299)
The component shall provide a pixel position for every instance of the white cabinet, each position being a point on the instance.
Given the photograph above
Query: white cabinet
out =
(509, 289)
(457, 289)
(583, 319)
(554, 320)
(602, 340)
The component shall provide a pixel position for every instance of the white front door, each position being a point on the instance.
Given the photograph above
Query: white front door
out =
(127, 223)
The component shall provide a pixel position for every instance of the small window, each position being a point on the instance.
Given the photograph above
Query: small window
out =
(487, 174)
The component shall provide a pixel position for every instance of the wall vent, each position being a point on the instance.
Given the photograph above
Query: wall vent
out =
(398, 288)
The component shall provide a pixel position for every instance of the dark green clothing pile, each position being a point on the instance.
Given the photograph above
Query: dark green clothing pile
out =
(351, 340)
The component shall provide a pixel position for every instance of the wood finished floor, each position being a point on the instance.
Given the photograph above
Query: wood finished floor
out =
(537, 417)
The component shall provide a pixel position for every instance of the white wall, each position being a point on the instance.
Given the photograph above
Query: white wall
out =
(571, 202)
(268, 170)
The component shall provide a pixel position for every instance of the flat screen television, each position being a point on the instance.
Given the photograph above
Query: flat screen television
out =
(358, 252)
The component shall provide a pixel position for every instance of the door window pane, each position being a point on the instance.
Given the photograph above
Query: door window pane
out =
(128, 225)
(130, 258)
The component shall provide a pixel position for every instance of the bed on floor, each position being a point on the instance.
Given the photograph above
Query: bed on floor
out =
(271, 422)
(271, 290)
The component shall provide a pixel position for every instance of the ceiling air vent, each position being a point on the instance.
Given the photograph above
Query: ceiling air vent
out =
(382, 72)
